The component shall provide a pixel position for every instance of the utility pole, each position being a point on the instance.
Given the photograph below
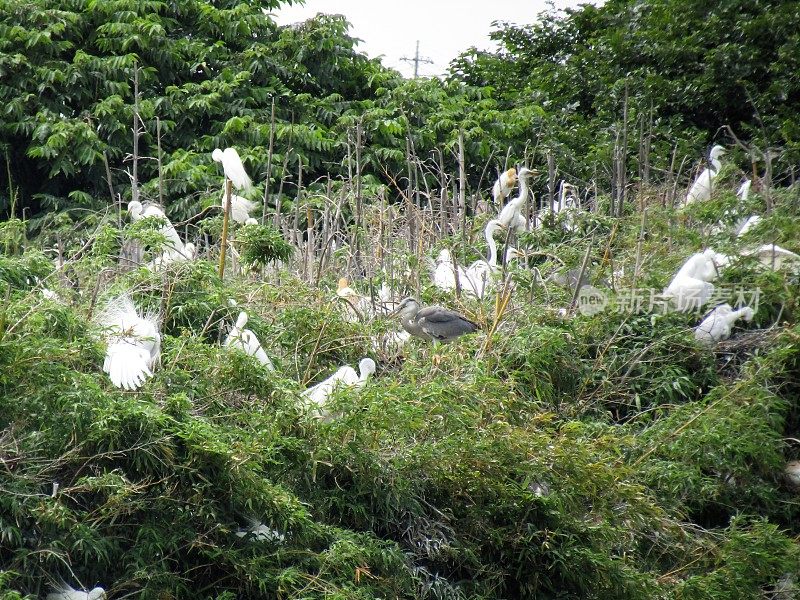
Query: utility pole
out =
(416, 60)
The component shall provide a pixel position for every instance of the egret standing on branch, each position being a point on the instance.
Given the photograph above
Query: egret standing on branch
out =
(235, 173)
(233, 167)
(691, 287)
(511, 215)
(701, 188)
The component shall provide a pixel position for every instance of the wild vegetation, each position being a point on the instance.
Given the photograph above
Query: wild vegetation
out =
(553, 454)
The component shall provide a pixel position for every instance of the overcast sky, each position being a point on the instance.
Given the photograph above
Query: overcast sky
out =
(443, 27)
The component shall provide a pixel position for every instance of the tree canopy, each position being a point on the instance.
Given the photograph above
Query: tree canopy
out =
(209, 73)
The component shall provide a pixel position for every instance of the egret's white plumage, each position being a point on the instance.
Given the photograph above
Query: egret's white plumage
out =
(260, 532)
(743, 193)
(772, 255)
(49, 295)
(137, 211)
(133, 343)
(240, 208)
(747, 224)
(233, 167)
(385, 298)
(345, 377)
(701, 188)
(691, 287)
(504, 184)
(66, 592)
(792, 473)
(168, 257)
(703, 265)
(511, 215)
(476, 280)
(442, 273)
(717, 325)
(358, 306)
(688, 293)
(246, 341)
(567, 197)
(251, 221)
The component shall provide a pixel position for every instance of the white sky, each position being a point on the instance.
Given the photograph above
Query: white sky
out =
(443, 27)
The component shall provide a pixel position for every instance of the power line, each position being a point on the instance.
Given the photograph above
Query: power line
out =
(416, 60)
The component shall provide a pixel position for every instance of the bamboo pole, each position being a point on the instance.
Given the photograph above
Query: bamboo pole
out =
(225, 219)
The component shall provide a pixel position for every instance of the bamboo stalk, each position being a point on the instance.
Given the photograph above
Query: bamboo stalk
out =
(225, 219)
(269, 162)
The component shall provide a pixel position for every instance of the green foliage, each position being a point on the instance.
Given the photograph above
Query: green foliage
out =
(261, 245)
(564, 456)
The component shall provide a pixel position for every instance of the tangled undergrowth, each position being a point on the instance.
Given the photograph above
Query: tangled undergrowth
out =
(578, 456)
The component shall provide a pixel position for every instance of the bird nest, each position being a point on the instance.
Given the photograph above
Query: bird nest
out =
(731, 354)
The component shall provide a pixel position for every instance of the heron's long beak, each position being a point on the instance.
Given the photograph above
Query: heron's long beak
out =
(394, 313)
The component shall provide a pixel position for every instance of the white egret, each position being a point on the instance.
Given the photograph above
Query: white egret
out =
(792, 473)
(513, 254)
(251, 221)
(133, 343)
(246, 341)
(442, 272)
(345, 377)
(703, 265)
(358, 305)
(433, 322)
(691, 287)
(504, 184)
(240, 208)
(747, 224)
(385, 301)
(260, 532)
(168, 257)
(233, 167)
(772, 255)
(688, 293)
(66, 592)
(476, 279)
(717, 325)
(390, 341)
(567, 197)
(137, 211)
(701, 188)
(743, 193)
(511, 215)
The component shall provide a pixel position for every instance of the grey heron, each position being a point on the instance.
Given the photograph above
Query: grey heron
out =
(433, 322)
